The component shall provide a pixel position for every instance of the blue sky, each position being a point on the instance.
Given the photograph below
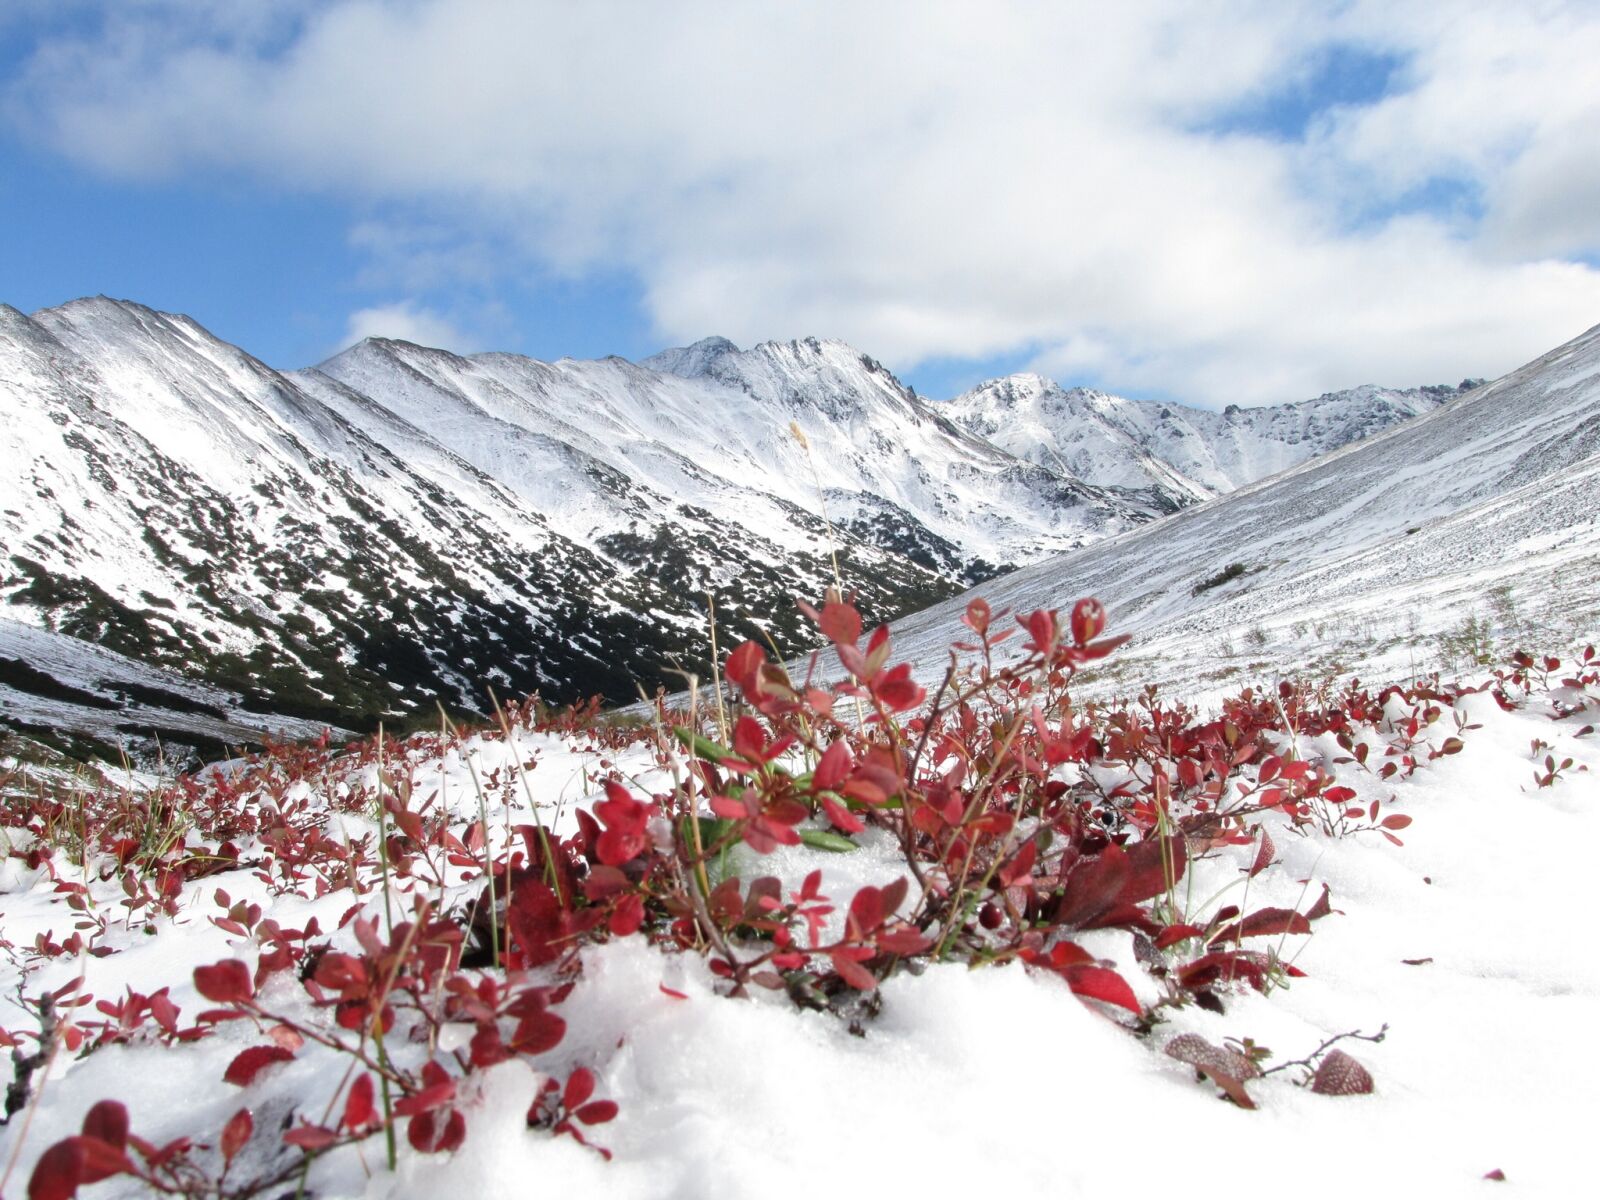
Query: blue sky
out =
(1245, 204)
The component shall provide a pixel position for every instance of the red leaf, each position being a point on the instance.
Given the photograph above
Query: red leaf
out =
(164, 1011)
(1103, 984)
(1341, 1075)
(1123, 916)
(580, 1086)
(1322, 907)
(1228, 1069)
(840, 623)
(842, 818)
(894, 895)
(101, 1160)
(626, 821)
(359, 1109)
(108, 1121)
(1173, 934)
(486, 1047)
(250, 1063)
(749, 740)
(1041, 627)
(626, 916)
(597, 1113)
(538, 1032)
(1395, 821)
(226, 982)
(1020, 868)
(1088, 619)
(440, 1089)
(310, 1138)
(1224, 966)
(436, 1133)
(833, 767)
(156, 1158)
(1152, 866)
(897, 689)
(744, 666)
(236, 1133)
(602, 882)
(1263, 855)
(904, 942)
(57, 1173)
(852, 972)
(866, 912)
(1264, 922)
(1069, 954)
(1093, 886)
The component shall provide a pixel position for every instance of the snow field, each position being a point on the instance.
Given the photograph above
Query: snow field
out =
(984, 1079)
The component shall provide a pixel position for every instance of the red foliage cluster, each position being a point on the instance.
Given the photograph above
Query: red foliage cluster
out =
(1023, 820)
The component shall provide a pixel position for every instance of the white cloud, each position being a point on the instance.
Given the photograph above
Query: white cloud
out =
(926, 180)
(407, 322)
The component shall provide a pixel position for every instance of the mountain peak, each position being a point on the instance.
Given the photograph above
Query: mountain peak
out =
(100, 307)
(692, 361)
(370, 348)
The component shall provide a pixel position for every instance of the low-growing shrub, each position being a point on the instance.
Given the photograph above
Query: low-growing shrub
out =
(1230, 572)
(1024, 822)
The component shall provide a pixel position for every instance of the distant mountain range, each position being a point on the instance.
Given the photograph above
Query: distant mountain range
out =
(1172, 451)
(1441, 543)
(402, 526)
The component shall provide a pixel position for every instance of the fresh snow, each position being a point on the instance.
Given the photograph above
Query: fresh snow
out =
(1473, 525)
(1469, 529)
(993, 1080)
(1173, 450)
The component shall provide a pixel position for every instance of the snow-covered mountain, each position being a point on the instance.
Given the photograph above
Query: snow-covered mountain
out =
(402, 525)
(80, 701)
(712, 427)
(1177, 453)
(1472, 527)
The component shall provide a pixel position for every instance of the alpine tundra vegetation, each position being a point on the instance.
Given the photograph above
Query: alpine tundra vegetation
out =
(966, 857)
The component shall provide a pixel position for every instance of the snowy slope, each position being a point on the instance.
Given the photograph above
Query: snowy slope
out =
(402, 525)
(1449, 944)
(1184, 454)
(308, 546)
(85, 700)
(1471, 525)
(710, 426)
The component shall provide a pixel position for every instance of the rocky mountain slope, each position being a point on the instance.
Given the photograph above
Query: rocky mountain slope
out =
(1444, 541)
(1178, 454)
(712, 427)
(401, 526)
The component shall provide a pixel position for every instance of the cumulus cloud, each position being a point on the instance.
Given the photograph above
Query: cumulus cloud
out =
(927, 180)
(406, 322)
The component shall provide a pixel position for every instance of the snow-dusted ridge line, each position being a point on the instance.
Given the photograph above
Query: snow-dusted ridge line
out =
(402, 524)
(1188, 453)
(1473, 523)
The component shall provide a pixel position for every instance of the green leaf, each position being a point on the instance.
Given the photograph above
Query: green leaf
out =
(703, 747)
(822, 839)
(712, 830)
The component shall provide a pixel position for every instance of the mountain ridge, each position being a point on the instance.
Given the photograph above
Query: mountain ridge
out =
(1446, 540)
(399, 524)
(1189, 453)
